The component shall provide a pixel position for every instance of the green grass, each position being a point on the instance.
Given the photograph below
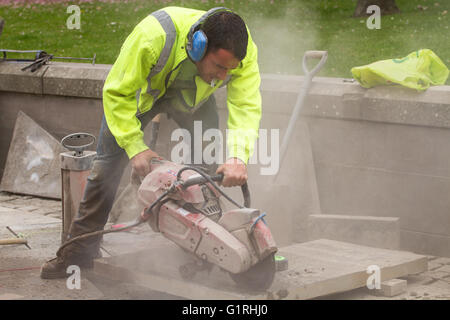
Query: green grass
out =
(283, 30)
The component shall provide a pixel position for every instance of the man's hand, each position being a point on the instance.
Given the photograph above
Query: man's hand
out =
(234, 172)
(141, 162)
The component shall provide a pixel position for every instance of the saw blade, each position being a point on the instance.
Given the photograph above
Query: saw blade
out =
(259, 277)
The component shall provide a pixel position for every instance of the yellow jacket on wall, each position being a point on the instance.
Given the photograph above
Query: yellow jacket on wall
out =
(418, 70)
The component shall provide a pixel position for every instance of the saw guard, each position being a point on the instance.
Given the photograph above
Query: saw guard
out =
(204, 237)
(263, 240)
(246, 224)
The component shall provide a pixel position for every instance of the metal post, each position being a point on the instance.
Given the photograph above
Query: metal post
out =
(75, 168)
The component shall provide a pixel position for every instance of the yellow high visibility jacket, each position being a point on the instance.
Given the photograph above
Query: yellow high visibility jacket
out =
(150, 60)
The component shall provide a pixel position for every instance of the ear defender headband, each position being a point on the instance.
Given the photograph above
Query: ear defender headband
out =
(197, 41)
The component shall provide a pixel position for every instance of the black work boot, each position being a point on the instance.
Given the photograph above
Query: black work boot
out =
(57, 268)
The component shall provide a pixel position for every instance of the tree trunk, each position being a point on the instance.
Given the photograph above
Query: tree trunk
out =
(2, 22)
(386, 6)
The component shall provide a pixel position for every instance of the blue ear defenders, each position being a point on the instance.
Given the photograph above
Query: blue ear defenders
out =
(197, 41)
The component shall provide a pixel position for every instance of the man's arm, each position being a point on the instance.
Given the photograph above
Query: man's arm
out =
(244, 106)
(244, 115)
(129, 73)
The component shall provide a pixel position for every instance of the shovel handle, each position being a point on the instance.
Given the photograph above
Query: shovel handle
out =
(309, 75)
(314, 54)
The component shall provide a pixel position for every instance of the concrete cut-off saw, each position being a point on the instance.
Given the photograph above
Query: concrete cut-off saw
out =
(183, 203)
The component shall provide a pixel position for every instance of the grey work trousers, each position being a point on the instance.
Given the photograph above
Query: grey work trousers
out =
(107, 170)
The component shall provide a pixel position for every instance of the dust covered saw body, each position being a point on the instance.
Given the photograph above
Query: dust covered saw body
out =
(189, 213)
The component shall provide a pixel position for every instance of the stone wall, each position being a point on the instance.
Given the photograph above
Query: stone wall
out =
(381, 152)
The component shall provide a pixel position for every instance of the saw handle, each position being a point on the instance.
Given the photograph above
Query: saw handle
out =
(200, 180)
(244, 189)
(219, 177)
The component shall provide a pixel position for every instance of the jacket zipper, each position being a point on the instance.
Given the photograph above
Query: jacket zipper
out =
(170, 73)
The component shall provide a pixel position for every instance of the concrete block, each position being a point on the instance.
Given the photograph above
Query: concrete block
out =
(32, 166)
(75, 80)
(379, 232)
(15, 80)
(392, 288)
(418, 150)
(420, 201)
(333, 98)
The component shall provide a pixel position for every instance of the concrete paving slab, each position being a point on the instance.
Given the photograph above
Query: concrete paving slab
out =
(19, 218)
(4, 197)
(10, 296)
(10, 205)
(42, 233)
(413, 292)
(20, 266)
(437, 274)
(32, 166)
(316, 268)
(445, 268)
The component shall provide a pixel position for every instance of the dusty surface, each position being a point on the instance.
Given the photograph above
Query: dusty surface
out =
(316, 268)
(38, 220)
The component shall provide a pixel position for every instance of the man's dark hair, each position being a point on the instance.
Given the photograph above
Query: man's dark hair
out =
(226, 30)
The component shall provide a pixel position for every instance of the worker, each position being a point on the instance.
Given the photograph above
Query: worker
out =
(172, 63)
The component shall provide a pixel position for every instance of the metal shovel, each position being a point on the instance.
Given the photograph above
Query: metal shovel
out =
(309, 75)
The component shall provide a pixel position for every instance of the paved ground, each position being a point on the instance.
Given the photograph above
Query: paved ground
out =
(39, 221)
(433, 284)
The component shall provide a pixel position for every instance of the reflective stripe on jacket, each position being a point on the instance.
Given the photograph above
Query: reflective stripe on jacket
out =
(150, 60)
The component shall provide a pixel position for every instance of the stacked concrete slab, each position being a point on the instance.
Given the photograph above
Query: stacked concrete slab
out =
(380, 152)
(32, 166)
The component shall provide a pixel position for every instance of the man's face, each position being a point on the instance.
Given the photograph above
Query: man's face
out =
(216, 65)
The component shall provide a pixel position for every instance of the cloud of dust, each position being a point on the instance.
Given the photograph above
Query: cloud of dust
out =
(279, 49)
